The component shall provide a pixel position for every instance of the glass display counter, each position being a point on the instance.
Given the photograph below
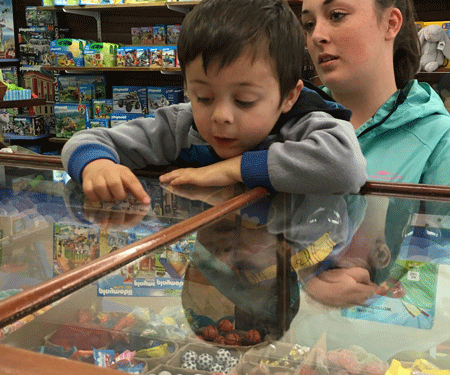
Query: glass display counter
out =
(228, 280)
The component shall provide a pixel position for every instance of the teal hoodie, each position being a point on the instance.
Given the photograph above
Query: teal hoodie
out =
(408, 139)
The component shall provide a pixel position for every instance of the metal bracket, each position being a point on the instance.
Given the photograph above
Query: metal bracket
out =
(89, 13)
(177, 8)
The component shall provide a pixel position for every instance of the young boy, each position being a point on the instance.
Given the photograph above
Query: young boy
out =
(250, 118)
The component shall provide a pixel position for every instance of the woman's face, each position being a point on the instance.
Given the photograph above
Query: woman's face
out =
(346, 41)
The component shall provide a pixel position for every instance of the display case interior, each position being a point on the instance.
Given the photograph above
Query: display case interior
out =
(220, 281)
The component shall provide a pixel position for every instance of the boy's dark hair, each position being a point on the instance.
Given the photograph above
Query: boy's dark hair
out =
(406, 46)
(219, 31)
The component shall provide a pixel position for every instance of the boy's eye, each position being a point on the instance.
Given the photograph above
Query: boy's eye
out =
(244, 104)
(204, 100)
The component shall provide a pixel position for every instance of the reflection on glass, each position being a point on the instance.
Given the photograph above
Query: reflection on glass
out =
(289, 284)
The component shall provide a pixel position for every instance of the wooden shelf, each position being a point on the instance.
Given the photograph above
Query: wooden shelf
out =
(111, 69)
(58, 140)
(185, 4)
(22, 103)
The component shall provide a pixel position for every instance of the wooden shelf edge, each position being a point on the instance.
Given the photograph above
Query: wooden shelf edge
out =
(110, 69)
(22, 103)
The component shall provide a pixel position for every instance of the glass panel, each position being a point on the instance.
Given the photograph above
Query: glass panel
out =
(289, 284)
(47, 227)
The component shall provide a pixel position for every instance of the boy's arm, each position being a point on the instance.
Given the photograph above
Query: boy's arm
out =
(133, 144)
(319, 155)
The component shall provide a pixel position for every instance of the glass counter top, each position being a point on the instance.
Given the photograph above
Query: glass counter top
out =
(277, 284)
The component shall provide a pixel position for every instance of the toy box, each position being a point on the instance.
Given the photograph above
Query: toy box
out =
(126, 56)
(65, 2)
(37, 17)
(48, 3)
(156, 57)
(173, 31)
(146, 36)
(86, 92)
(159, 35)
(99, 123)
(68, 86)
(29, 125)
(100, 54)
(445, 25)
(70, 118)
(118, 118)
(102, 108)
(135, 35)
(34, 45)
(169, 56)
(130, 99)
(143, 56)
(67, 52)
(98, 2)
(159, 97)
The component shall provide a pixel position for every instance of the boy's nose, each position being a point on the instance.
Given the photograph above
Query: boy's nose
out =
(222, 113)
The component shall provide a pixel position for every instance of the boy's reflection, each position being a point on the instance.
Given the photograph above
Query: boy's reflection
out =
(239, 256)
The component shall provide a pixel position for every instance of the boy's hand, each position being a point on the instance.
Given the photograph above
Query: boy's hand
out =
(341, 287)
(223, 173)
(107, 181)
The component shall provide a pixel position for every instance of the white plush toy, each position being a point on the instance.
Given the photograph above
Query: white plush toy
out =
(435, 47)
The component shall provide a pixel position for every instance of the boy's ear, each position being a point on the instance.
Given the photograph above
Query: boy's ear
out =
(394, 23)
(292, 97)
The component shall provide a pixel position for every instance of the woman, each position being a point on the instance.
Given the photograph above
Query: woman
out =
(366, 53)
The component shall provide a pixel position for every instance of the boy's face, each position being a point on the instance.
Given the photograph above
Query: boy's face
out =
(236, 107)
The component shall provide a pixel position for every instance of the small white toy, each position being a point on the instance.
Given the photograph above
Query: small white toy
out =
(435, 47)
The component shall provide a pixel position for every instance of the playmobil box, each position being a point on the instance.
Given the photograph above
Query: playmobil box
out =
(102, 108)
(67, 52)
(446, 26)
(156, 57)
(98, 2)
(143, 56)
(99, 123)
(87, 93)
(65, 2)
(126, 56)
(100, 54)
(159, 97)
(146, 36)
(29, 125)
(159, 35)
(70, 118)
(169, 56)
(68, 86)
(119, 118)
(173, 32)
(130, 99)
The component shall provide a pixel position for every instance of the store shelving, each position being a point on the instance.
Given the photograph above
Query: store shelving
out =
(22, 103)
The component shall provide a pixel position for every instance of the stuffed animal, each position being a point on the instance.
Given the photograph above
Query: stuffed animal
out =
(435, 47)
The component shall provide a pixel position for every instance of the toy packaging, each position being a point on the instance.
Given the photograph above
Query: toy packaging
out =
(36, 17)
(159, 97)
(146, 36)
(130, 99)
(98, 2)
(143, 56)
(68, 86)
(173, 31)
(48, 3)
(28, 125)
(159, 35)
(156, 57)
(118, 118)
(70, 118)
(100, 54)
(99, 123)
(65, 2)
(127, 56)
(169, 55)
(135, 35)
(102, 108)
(34, 45)
(67, 52)
(86, 93)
